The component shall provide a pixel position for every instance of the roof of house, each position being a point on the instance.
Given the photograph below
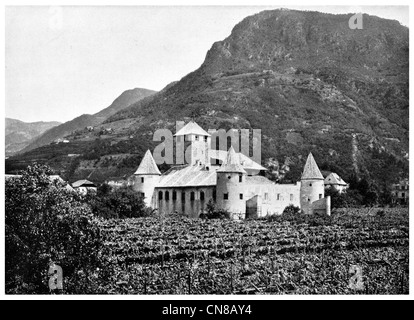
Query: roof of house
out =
(188, 176)
(192, 128)
(148, 165)
(246, 162)
(83, 183)
(334, 179)
(232, 163)
(311, 170)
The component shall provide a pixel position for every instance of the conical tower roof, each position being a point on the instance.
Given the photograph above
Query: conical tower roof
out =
(192, 128)
(148, 165)
(231, 163)
(311, 170)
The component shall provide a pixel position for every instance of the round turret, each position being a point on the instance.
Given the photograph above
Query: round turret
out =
(312, 186)
(231, 184)
(146, 178)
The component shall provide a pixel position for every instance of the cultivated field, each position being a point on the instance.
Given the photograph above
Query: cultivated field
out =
(312, 255)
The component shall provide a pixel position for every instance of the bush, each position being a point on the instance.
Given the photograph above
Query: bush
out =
(291, 210)
(212, 212)
(46, 223)
(121, 202)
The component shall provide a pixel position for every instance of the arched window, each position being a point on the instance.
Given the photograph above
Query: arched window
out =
(202, 195)
(192, 196)
(183, 196)
(174, 195)
(160, 195)
(167, 196)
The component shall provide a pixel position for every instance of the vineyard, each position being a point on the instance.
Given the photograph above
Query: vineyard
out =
(311, 255)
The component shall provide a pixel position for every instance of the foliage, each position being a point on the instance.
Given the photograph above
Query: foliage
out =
(212, 212)
(46, 223)
(291, 210)
(122, 202)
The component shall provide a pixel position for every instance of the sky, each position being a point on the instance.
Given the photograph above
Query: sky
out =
(62, 62)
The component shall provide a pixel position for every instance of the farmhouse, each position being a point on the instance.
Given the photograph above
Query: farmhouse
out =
(84, 186)
(334, 181)
(234, 185)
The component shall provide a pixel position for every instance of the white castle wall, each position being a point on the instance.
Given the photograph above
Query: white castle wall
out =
(188, 207)
(322, 206)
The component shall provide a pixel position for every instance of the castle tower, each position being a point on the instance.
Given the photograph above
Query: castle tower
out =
(197, 152)
(146, 178)
(312, 187)
(231, 179)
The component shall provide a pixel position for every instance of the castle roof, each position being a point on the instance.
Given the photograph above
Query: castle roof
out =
(188, 176)
(231, 163)
(148, 165)
(311, 170)
(258, 180)
(334, 179)
(192, 128)
(246, 162)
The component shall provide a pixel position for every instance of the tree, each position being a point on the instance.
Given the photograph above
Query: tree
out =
(121, 202)
(212, 212)
(46, 223)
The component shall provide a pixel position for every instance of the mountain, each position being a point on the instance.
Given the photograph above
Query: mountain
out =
(19, 133)
(307, 80)
(124, 100)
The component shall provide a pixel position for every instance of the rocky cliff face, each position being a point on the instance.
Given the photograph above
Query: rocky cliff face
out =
(306, 79)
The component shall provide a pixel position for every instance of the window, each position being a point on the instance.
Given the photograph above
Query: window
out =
(402, 195)
(310, 184)
(205, 139)
(226, 196)
(142, 194)
(192, 196)
(174, 195)
(160, 195)
(241, 196)
(240, 178)
(266, 196)
(291, 197)
(229, 177)
(214, 195)
(278, 196)
(196, 137)
(202, 196)
(320, 196)
(142, 180)
(183, 196)
(167, 196)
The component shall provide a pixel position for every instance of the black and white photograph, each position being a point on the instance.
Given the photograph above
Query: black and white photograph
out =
(206, 151)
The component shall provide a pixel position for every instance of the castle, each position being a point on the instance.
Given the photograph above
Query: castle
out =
(234, 185)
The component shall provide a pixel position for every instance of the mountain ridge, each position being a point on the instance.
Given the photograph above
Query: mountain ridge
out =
(122, 101)
(18, 133)
(304, 78)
